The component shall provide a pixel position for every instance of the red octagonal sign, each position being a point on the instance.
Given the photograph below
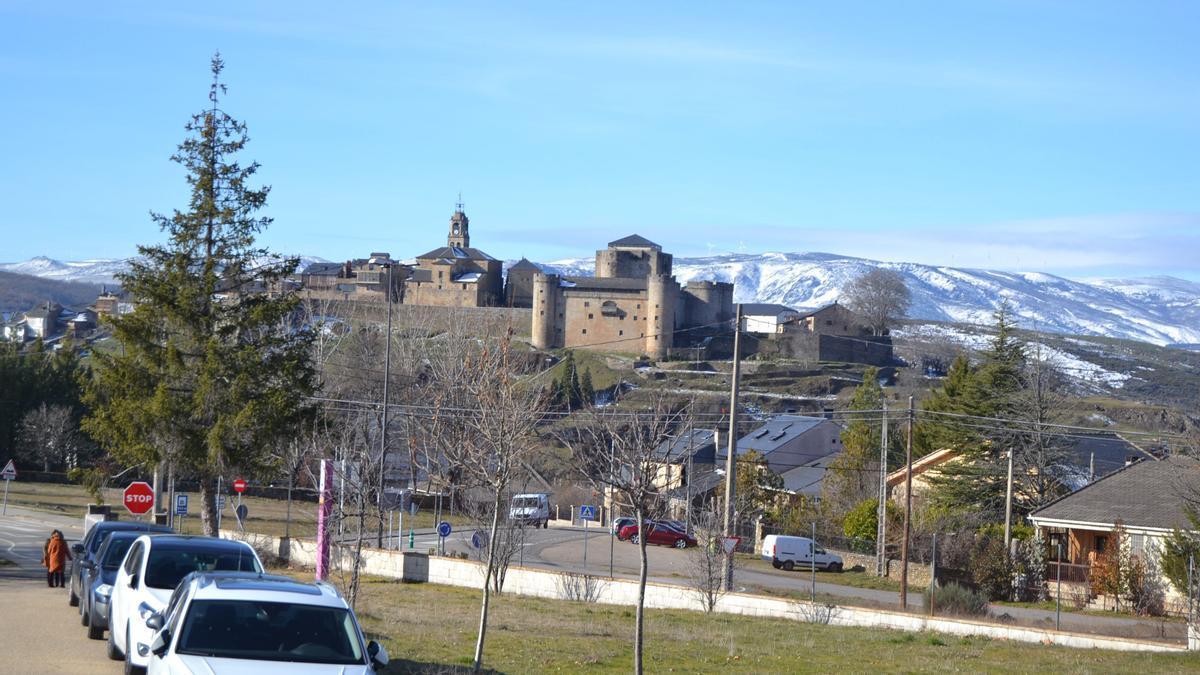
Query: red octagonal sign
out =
(139, 498)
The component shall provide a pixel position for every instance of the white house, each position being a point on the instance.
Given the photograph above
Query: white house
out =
(762, 317)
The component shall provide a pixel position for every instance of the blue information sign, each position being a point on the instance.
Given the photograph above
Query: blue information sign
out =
(443, 529)
(181, 504)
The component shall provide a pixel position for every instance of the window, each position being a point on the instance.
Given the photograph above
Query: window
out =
(620, 332)
(464, 287)
(635, 317)
(639, 306)
(237, 629)
(586, 303)
(585, 331)
(542, 313)
(131, 563)
(828, 323)
(590, 315)
(1101, 543)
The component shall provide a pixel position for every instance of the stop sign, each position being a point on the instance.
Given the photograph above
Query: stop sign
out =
(139, 498)
(239, 486)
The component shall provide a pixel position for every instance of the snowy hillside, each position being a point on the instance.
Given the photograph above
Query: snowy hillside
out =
(1159, 310)
(99, 271)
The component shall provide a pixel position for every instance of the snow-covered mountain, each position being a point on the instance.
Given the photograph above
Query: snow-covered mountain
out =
(1159, 310)
(97, 271)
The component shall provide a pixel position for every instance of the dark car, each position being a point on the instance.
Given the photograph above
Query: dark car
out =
(85, 551)
(98, 580)
(658, 533)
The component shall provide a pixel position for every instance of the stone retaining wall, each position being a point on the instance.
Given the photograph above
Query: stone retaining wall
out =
(420, 567)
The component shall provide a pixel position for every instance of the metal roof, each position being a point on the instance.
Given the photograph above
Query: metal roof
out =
(455, 252)
(764, 309)
(697, 442)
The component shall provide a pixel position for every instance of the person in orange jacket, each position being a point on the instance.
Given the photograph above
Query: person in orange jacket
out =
(55, 559)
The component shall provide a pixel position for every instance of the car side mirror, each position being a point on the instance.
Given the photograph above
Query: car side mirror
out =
(77, 548)
(158, 646)
(155, 621)
(379, 655)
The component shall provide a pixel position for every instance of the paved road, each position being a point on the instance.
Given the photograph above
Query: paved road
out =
(39, 632)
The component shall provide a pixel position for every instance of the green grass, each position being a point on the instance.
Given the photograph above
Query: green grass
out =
(430, 628)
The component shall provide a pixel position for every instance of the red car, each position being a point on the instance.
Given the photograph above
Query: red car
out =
(661, 534)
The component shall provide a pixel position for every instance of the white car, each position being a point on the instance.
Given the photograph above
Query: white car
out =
(152, 569)
(255, 623)
(788, 553)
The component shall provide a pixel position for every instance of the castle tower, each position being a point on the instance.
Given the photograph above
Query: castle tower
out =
(661, 293)
(459, 236)
(545, 310)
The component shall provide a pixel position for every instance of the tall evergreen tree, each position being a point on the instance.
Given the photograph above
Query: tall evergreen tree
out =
(209, 376)
(976, 483)
(854, 476)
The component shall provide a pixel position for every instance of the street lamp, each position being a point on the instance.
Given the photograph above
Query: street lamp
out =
(385, 263)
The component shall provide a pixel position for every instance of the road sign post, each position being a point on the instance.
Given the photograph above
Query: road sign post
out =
(8, 474)
(587, 513)
(239, 486)
(138, 498)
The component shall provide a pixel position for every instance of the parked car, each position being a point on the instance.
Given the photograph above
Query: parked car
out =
(152, 568)
(219, 622)
(788, 553)
(659, 533)
(530, 509)
(84, 552)
(98, 580)
(619, 524)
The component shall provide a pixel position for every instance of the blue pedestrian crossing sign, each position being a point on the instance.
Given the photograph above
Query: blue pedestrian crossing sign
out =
(587, 512)
(181, 504)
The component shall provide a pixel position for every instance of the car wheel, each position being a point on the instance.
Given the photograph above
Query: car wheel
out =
(788, 566)
(545, 524)
(85, 616)
(681, 543)
(634, 539)
(72, 599)
(95, 632)
(775, 564)
(113, 651)
(835, 567)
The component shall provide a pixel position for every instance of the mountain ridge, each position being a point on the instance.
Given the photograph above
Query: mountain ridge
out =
(1161, 310)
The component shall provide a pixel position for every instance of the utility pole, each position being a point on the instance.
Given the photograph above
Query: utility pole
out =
(907, 510)
(881, 515)
(730, 462)
(1008, 505)
(387, 369)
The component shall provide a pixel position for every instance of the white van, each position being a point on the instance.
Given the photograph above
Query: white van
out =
(788, 553)
(530, 509)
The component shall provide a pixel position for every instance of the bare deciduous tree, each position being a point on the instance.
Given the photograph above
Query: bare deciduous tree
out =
(482, 425)
(614, 450)
(49, 435)
(706, 572)
(879, 297)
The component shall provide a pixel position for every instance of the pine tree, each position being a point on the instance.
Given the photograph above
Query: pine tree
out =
(209, 375)
(854, 476)
(587, 391)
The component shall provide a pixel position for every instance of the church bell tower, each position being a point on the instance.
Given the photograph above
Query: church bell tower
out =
(459, 236)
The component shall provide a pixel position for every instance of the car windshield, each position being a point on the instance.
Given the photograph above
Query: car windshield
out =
(98, 539)
(270, 631)
(115, 553)
(526, 502)
(167, 567)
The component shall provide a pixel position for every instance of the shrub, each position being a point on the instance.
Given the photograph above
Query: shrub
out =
(991, 569)
(957, 600)
(862, 521)
(1176, 550)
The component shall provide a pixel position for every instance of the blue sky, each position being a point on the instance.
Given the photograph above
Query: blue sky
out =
(1052, 136)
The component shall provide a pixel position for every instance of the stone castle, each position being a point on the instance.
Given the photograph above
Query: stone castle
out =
(632, 304)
